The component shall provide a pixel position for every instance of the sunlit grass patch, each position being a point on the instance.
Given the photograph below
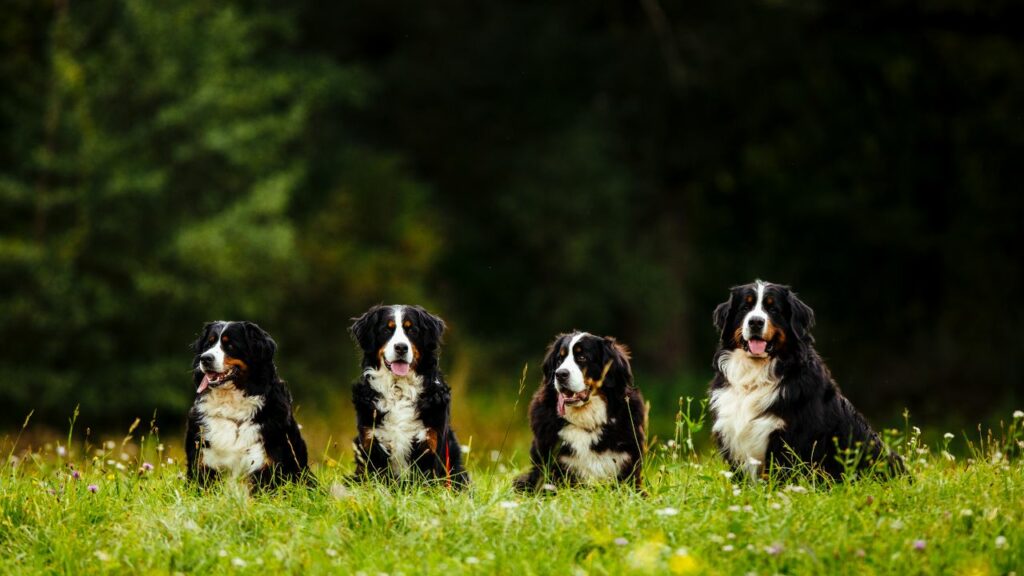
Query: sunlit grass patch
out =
(123, 506)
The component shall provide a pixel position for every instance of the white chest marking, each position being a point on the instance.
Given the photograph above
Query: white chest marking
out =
(232, 442)
(580, 434)
(401, 425)
(739, 408)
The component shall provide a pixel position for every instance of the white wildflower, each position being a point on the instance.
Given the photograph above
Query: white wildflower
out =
(508, 505)
(795, 489)
(1001, 543)
(666, 512)
(1018, 414)
(472, 560)
(238, 562)
(948, 436)
(61, 451)
(464, 448)
(495, 455)
(727, 548)
(966, 512)
(101, 556)
(727, 474)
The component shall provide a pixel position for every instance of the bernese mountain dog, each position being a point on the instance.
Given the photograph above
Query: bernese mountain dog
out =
(402, 401)
(241, 422)
(773, 400)
(588, 419)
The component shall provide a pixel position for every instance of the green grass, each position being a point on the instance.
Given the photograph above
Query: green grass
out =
(958, 515)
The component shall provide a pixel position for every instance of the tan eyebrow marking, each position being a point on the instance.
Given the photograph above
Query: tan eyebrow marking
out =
(391, 323)
(407, 324)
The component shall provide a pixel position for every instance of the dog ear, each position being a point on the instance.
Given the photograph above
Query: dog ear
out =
(436, 324)
(620, 371)
(720, 318)
(262, 345)
(199, 345)
(362, 327)
(801, 318)
(197, 348)
(552, 359)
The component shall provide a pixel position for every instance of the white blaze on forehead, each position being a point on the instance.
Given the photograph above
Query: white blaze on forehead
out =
(757, 312)
(575, 383)
(399, 337)
(218, 350)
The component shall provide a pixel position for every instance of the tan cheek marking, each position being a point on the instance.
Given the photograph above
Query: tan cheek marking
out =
(596, 384)
(366, 437)
(738, 336)
(415, 355)
(229, 361)
(432, 440)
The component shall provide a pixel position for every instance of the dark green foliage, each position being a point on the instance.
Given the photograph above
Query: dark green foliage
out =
(521, 168)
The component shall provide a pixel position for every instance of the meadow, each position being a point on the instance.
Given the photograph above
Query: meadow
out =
(85, 506)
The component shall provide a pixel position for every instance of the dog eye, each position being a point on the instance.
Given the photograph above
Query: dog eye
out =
(412, 330)
(581, 358)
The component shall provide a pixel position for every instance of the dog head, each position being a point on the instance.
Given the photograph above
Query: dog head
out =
(763, 319)
(231, 354)
(580, 365)
(403, 339)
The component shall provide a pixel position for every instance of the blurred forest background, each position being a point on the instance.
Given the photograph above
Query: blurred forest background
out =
(520, 168)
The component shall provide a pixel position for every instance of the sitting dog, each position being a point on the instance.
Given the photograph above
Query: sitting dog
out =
(773, 399)
(241, 422)
(588, 420)
(402, 401)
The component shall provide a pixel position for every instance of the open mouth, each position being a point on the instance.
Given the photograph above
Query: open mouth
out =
(566, 398)
(215, 379)
(398, 367)
(758, 347)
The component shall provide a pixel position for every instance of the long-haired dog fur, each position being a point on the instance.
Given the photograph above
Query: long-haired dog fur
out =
(401, 399)
(588, 419)
(241, 421)
(774, 403)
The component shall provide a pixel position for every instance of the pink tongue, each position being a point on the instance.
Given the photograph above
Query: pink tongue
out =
(400, 368)
(561, 403)
(757, 346)
(204, 384)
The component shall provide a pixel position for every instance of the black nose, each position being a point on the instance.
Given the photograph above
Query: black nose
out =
(756, 324)
(206, 359)
(562, 375)
(401, 348)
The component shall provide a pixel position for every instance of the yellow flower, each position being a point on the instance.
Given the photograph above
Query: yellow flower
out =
(976, 567)
(683, 564)
(110, 476)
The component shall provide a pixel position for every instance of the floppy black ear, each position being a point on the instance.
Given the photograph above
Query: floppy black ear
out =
(262, 345)
(551, 360)
(197, 349)
(801, 318)
(620, 372)
(721, 314)
(362, 327)
(200, 344)
(435, 323)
